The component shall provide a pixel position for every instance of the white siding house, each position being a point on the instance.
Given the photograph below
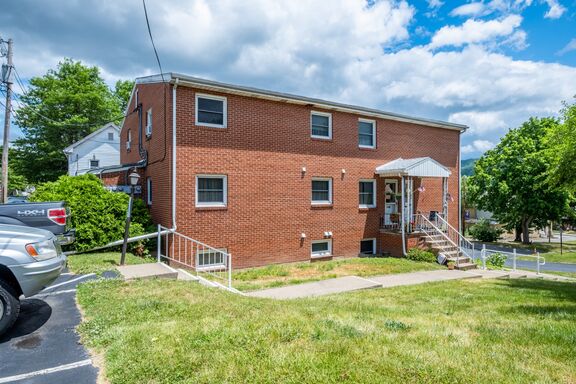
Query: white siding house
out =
(99, 149)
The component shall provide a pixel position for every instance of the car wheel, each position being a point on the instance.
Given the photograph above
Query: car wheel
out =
(9, 307)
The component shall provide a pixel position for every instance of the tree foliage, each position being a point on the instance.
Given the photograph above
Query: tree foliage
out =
(97, 214)
(511, 180)
(60, 108)
(122, 92)
(562, 148)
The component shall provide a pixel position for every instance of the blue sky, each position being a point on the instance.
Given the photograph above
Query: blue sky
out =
(488, 64)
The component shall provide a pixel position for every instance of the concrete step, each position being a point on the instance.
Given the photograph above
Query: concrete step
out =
(462, 259)
(466, 266)
(147, 271)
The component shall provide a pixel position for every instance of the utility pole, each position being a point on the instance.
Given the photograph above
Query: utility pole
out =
(7, 79)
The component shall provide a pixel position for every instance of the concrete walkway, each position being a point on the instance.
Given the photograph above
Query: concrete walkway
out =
(354, 283)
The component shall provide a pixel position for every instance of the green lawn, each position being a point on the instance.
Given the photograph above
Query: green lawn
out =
(296, 273)
(469, 331)
(101, 262)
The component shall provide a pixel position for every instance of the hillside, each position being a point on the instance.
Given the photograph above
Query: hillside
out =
(467, 167)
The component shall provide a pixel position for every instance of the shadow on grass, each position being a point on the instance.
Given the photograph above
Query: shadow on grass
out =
(557, 312)
(563, 290)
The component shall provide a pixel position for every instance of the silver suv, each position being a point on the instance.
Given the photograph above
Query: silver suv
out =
(30, 259)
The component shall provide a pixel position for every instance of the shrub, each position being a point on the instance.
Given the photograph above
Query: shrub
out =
(483, 231)
(97, 214)
(417, 254)
(495, 260)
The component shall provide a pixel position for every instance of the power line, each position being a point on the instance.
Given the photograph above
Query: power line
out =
(152, 39)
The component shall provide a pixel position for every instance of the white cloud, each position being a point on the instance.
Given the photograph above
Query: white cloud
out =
(480, 122)
(435, 3)
(470, 9)
(571, 46)
(477, 146)
(556, 9)
(475, 31)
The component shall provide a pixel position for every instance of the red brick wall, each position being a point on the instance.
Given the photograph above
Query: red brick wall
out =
(262, 152)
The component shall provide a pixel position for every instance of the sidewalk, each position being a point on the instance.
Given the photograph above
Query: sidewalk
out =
(354, 283)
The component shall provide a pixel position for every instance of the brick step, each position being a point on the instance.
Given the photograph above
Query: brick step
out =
(466, 266)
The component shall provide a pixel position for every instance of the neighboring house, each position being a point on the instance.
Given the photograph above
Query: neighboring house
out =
(99, 149)
(272, 177)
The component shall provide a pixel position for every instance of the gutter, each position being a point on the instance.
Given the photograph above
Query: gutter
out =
(174, 154)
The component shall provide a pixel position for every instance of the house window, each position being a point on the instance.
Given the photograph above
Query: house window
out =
(321, 125)
(321, 191)
(128, 141)
(149, 122)
(136, 99)
(366, 133)
(207, 258)
(94, 163)
(321, 248)
(367, 193)
(149, 190)
(211, 111)
(368, 247)
(110, 136)
(211, 191)
(391, 189)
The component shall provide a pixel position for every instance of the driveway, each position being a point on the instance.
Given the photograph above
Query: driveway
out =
(43, 346)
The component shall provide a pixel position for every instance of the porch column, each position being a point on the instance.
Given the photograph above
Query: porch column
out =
(403, 218)
(445, 198)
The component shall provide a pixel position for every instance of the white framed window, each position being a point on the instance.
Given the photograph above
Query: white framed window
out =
(149, 190)
(211, 190)
(368, 246)
(110, 136)
(128, 141)
(366, 133)
(211, 258)
(367, 193)
(211, 111)
(321, 190)
(391, 189)
(321, 125)
(321, 248)
(149, 122)
(94, 163)
(136, 99)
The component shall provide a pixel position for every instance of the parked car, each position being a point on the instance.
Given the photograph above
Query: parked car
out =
(51, 216)
(30, 260)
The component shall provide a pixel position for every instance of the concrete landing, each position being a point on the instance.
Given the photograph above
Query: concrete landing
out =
(147, 271)
(414, 278)
(318, 288)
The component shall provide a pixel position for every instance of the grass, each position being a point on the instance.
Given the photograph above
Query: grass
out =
(101, 262)
(469, 331)
(296, 273)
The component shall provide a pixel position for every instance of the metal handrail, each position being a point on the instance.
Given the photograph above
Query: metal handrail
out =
(440, 232)
(461, 238)
(540, 260)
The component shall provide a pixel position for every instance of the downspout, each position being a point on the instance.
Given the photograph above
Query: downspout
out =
(459, 164)
(403, 221)
(174, 154)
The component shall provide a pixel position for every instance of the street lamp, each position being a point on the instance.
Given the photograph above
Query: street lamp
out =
(133, 178)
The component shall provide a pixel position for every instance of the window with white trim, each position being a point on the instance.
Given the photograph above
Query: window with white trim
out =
(208, 258)
(366, 133)
(211, 111)
(211, 190)
(94, 163)
(321, 248)
(321, 190)
(149, 190)
(110, 136)
(128, 141)
(368, 247)
(321, 125)
(367, 193)
(149, 122)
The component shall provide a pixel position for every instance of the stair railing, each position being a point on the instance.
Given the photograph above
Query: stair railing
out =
(423, 224)
(457, 237)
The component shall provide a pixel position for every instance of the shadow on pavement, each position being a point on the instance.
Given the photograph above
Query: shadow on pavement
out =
(34, 313)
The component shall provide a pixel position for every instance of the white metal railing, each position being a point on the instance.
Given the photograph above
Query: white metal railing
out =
(189, 253)
(485, 254)
(423, 224)
(390, 221)
(456, 236)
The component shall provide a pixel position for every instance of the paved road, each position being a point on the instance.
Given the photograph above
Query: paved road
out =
(43, 346)
(529, 264)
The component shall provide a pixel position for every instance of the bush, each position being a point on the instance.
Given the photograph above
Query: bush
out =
(495, 261)
(483, 231)
(97, 214)
(417, 254)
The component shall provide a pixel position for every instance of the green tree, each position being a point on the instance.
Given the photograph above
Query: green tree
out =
(511, 180)
(59, 109)
(122, 92)
(562, 148)
(16, 182)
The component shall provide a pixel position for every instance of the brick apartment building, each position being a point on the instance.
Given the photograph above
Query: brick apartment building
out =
(275, 178)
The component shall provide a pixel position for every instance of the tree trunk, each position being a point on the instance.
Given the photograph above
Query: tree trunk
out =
(526, 230)
(518, 231)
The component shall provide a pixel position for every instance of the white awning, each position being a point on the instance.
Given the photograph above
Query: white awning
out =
(418, 167)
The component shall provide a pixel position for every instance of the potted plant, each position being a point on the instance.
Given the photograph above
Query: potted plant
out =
(451, 265)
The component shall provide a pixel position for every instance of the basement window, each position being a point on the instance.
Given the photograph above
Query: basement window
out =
(211, 258)
(211, 190)
(321, 248)
(368, 247)
(211, 111)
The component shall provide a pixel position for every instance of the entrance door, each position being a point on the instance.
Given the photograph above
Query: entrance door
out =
(391, 206)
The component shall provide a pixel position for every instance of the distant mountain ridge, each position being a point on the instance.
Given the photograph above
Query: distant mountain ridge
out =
(467, 167)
